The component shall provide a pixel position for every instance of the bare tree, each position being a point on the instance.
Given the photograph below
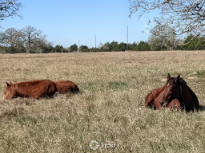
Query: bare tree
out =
(33, 39)
(186, 16)
(12, 38)
(28, 39)
(9, 37)
(162, 36)
(9, 8)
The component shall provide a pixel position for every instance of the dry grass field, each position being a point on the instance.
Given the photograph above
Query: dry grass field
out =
(107, 115)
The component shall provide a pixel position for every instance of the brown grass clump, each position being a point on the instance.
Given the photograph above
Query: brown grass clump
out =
(107, 116)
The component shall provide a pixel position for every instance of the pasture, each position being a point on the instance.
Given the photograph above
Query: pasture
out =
(108, 115)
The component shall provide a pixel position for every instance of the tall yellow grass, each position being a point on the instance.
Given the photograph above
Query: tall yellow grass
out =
(108, 111)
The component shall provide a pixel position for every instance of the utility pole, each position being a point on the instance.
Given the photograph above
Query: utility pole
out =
(95, 41)
(127, 37)
(78, 45)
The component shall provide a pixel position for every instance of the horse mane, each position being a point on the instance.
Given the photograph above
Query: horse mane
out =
(183, 82)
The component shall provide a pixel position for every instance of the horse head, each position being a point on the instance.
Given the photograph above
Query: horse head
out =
(172, 88)
(10, 92)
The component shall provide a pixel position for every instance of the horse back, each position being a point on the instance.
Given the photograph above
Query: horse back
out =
(64, 86)
(36, 89)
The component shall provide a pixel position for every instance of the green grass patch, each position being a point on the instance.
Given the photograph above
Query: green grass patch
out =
(201, 73)
(117, 85)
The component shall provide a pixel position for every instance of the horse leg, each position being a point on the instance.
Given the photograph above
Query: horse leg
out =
(174, 105)
(158, 104)
(149, 101)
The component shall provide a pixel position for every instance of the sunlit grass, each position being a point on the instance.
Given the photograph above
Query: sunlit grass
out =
(109, 108)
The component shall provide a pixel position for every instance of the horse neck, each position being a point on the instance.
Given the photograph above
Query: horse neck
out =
(161, 89)
(14, 87)
(164, 93)
(157, 93)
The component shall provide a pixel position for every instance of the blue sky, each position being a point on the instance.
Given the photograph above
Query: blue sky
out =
(67, 22)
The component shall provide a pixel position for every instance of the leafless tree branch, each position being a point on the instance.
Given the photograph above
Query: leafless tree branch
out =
(186, 16)
(9, 8)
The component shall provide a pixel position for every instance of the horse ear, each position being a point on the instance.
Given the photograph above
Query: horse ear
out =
(177, 78)
(7, 84)
(168, 76)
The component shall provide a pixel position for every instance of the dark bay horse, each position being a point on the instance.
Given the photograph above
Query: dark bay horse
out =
(64, 86)
(165, 94)
(188, 98)
(31, 89)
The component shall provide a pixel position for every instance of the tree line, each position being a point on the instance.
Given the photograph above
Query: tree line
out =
(25, 40)
(32, 40)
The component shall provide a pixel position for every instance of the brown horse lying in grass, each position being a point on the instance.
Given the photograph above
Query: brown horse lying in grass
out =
(32, 89)
(64, 86)
(176, 94)
(165, 94)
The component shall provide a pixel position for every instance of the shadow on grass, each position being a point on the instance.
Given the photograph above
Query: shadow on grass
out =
(9, 114)
(201, 108)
